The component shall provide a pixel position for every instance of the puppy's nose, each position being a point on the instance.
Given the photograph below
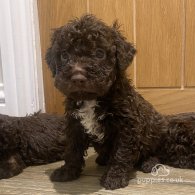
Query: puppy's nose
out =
(78, 79)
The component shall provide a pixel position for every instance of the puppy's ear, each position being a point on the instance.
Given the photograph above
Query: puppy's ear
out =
(124, 50)
(52, 54)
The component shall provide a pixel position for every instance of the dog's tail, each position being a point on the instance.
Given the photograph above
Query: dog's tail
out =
(180, 141)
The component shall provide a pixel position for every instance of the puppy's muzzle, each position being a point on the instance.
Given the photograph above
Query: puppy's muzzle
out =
(78, 75)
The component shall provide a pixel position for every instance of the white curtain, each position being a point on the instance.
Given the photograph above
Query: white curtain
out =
(20, 58)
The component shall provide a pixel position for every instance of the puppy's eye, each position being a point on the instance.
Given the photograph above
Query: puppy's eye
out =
(99, 53)
(64, 56)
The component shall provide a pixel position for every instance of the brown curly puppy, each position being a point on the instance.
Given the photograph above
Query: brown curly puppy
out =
(30, 140)
(88, 60)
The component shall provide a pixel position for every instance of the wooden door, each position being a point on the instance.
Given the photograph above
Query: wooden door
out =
(163, 32)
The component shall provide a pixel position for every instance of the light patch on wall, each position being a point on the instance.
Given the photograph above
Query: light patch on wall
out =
(2, 94)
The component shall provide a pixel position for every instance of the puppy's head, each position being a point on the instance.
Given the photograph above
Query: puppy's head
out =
(86, 56)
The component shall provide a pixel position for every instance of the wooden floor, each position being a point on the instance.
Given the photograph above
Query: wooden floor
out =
(35, 181)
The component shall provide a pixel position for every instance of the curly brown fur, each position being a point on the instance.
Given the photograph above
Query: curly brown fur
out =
(88, 60)
(30, 140)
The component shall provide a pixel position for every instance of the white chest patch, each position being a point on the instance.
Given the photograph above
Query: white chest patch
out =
(89, 120)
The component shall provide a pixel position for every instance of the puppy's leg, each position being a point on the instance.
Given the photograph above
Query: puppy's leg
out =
(76, 144)
(121, 163)
(103, 152)
(11, 165)
(102, 158)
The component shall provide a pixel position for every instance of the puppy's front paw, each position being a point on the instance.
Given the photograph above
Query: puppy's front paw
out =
(65, 174)
(6, 173)
(111, 183)
(10, 167)
(114, 179)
